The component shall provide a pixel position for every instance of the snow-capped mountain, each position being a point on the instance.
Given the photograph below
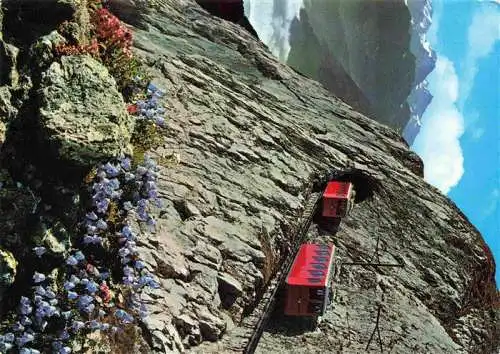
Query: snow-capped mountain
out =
(420, 97)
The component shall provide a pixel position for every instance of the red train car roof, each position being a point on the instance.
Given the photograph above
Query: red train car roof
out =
(311, 266)
(337, 189)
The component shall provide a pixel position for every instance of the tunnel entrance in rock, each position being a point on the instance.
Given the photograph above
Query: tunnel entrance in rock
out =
(365, 185)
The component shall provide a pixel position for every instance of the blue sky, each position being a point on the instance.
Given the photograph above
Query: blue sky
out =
(460, 136)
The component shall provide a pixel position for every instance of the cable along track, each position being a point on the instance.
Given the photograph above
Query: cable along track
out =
(254, 324)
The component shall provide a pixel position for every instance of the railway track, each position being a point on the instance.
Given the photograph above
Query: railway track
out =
(252, 326)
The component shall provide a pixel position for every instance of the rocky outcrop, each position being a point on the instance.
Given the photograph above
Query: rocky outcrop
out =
(6, 111)
(242, 171)
(8, 55)
(8, 79)
(245, 138)
(323, 65)
(370, 41)
(82, 114)
(419, 98)
(421, 20)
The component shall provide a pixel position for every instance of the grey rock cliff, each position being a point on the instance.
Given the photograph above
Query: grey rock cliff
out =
(250, 133)
(246, 135)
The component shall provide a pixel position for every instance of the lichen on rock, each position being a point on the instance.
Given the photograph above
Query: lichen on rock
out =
(55, 239)
(8, 265)
(8, 59)
(42, 51)
(82, 114)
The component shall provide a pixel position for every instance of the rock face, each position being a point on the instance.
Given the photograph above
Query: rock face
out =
(82, 113)
(419, 100)
(250, 135)
(229, 10)
(369, 42)
(323, 65)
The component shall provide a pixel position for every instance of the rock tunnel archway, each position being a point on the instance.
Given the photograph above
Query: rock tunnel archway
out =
(365, 186)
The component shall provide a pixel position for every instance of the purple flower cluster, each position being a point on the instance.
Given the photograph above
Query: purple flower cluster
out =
(150, 108)
(86, 284)
(85, 298)
(143, 181)
(34, 314)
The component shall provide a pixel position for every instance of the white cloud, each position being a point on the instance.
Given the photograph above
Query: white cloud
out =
(492, 203)
(477, 133)
(442, 126)
(483, 33)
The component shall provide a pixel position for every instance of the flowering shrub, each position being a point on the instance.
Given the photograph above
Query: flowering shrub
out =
(115, 43)
(98, 286)
(150, 120)
(149, 108)
(111, 33)
(110, 41)
(72, 49)
(84, 300)
(51, 316)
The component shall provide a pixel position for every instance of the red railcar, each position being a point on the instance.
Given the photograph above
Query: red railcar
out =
(308, 284)
(338, 199)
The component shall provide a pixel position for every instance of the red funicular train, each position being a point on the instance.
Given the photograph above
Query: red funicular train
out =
(338, 199)
(308, 285)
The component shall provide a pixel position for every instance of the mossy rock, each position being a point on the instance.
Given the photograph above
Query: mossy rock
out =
(56, 239)
(82, 115)
(42, 51)
(8, 62)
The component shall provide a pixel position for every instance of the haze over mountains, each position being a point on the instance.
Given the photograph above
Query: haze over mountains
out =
(373, 55)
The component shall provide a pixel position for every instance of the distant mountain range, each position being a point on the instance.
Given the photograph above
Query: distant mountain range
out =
(420, 97)
(373, 55)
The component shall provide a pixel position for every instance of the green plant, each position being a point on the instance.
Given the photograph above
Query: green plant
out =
(96, 31)
(146, 136)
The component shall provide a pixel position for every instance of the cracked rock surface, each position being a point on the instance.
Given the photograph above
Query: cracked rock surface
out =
(248, 134)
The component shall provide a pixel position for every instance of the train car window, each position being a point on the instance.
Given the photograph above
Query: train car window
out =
(318, 265)
(342, 207)
(322, 253)
(321, 250)
(314, 280)
(316, 273)
(320, 259)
